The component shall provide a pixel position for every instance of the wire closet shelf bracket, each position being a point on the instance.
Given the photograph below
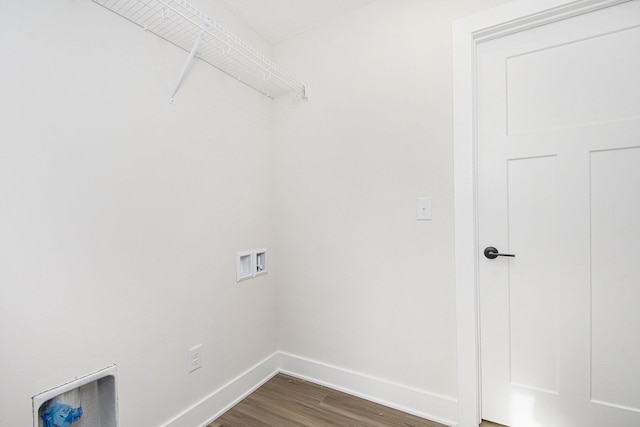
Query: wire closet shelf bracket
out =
(181, 24)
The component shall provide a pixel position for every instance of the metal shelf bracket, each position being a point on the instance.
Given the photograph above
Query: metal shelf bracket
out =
(192, 55)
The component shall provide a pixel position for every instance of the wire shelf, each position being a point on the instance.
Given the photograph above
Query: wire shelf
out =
(181, 24)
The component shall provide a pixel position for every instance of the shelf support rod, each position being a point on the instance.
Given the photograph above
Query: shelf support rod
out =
(192, 55)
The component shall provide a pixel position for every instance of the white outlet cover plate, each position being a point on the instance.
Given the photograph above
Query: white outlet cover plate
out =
(195, 358)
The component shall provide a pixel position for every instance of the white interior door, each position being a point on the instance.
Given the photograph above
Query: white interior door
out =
(558, 130)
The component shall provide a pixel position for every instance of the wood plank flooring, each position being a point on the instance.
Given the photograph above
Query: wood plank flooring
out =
(286, 401)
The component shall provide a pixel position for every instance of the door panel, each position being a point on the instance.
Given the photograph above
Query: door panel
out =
(615, 278)
(558, 85)
(533, 349)
(558, 131)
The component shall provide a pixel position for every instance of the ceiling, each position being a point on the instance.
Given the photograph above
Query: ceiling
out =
(277, 20)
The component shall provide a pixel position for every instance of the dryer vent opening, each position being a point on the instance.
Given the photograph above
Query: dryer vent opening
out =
(90, 401)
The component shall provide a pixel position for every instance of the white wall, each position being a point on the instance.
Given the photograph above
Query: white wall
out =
(120, 214)
(364, 286)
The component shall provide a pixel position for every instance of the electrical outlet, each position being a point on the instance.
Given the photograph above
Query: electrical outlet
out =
(195, 357)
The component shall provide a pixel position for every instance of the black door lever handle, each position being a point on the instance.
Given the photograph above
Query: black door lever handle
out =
(492, 253)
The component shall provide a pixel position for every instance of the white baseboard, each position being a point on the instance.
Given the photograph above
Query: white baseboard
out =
(218, 402)
(431, 406)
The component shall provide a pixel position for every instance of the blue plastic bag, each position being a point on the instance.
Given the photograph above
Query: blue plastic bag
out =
(60, 415)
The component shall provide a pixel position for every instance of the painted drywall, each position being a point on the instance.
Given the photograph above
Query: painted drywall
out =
(120, 214)
(364, 286)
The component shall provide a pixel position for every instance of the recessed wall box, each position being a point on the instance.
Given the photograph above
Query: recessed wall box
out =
(90, 400)
(261, 262)
(244, 266)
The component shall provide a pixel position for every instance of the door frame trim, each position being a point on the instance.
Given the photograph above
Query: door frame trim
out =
(502, 21)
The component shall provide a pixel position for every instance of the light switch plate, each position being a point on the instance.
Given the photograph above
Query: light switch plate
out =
(423, 208)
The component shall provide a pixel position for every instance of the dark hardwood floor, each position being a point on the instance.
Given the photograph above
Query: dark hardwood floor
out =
(286, 401)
